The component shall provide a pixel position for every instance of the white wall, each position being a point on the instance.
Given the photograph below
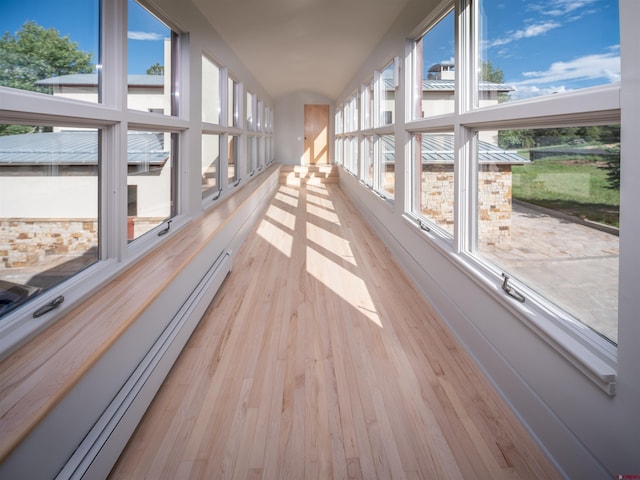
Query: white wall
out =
(289, 126)
(587, 433)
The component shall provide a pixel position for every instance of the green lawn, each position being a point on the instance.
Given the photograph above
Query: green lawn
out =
(576, 186)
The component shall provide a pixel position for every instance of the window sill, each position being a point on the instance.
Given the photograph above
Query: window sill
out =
(582, 348)
(592, 356)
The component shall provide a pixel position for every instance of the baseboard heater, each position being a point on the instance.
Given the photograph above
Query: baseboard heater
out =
(95, 456)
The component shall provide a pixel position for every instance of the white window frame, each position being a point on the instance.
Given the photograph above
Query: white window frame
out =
(115, 119)
(585, 349)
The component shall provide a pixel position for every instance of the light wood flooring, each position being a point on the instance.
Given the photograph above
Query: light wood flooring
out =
(318, 359)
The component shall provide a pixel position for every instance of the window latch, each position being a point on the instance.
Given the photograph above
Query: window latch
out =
(512, 292)
(423, 226)
(166, 230)
(48, 307)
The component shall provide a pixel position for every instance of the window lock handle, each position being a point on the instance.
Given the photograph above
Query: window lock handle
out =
(55, 303)
(512, 292)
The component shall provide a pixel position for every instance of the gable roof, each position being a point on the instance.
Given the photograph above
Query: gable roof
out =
(439, 147)
(76, 147)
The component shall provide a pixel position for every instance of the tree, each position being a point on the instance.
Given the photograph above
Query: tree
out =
(489, 73)
(36, 53)
(156, 69)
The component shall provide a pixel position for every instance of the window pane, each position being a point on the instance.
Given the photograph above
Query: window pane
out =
(559, 232)
(48, 208)
(210, 91)
(232, 99)
(367, 106)
(436, 70)
(388, 102)
(387, 164)
(434, 178)
(149, 54)
(366, 171)
(210, 168)
(43, 51)
(252, 159)
(232, 158)
(542, 49)
(150, 170)
(250, 111)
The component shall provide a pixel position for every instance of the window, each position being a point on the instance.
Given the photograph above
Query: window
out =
(210, 91)
(232, 159)
(387, 95)
(367, 166)
(537, 205)
(434, 91)
(548, 214)
(150, 167)
(233, 96)
(68, 66)
(367, 105)
(531, 51)
(386, 165)
(433, 160)
(150, 48)
(252, 154)
(251, 111)
(260, 117)
(49, 215)
(210, 168)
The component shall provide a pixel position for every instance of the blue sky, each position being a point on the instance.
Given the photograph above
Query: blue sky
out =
(78, 19)
(543, 46)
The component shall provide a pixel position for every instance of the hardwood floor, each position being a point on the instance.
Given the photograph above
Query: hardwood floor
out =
(318, 359)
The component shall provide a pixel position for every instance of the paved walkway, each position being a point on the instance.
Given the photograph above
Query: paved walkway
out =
(573, 265)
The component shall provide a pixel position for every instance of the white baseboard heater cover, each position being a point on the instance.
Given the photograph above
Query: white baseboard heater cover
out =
(95, 456)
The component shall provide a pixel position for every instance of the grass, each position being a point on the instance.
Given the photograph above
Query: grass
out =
(576, 186)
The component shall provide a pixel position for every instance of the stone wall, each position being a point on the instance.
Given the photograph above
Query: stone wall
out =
(494, 204)
(494, 201)
(28, 242)
(25, 242)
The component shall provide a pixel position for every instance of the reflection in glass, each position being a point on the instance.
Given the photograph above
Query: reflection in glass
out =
(150, 177)
(149, 49)
(436, 70)
(387, 165)
(210, 91)
(232, 159)
(210, 167)
(388, 100)
(366, 170)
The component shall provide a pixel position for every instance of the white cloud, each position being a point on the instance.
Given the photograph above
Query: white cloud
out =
(563, 7)
(527, 91)
(144, 36)
(527, 32)
(590, 67)
(604, 67)
(561, 11)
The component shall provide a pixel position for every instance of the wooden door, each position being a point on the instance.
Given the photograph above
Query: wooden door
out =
(316, 134)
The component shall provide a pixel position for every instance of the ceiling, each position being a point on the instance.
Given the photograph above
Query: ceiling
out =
(302, 45)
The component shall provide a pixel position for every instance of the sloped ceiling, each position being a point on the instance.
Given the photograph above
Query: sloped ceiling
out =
(302, 45)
